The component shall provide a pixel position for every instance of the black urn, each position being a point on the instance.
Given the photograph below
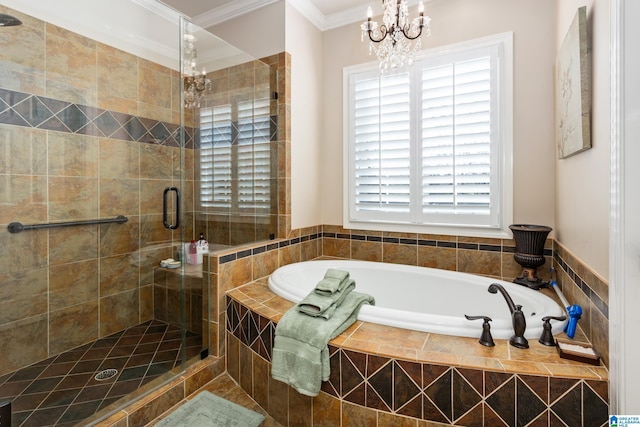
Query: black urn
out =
(530, 252)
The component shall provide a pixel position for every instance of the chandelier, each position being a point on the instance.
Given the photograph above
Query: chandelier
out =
(195, 83)
(392, 41)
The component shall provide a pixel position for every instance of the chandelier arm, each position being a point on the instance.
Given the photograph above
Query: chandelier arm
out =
(407, 28)
(383, 31)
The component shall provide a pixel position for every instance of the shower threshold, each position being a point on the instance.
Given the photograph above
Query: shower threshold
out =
(68, 388)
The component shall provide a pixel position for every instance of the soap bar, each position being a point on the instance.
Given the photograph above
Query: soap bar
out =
(580, 352)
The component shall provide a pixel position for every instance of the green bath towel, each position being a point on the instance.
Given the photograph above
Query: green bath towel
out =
(334, 280)
(325, 305)
(300, 353)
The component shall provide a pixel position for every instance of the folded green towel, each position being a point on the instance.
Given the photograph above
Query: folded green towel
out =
(333, 281)
(324, 306)
(300, 355)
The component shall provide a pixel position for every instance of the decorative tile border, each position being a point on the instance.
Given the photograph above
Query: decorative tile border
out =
(587, 288)
(242, 253)
(268, 247)
(27, 110)
(433, 392)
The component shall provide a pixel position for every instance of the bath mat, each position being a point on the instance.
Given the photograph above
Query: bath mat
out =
(207, 409)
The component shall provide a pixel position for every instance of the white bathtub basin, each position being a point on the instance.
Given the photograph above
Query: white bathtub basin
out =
(424, 299)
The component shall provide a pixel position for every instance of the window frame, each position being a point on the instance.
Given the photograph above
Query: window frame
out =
(504, 44)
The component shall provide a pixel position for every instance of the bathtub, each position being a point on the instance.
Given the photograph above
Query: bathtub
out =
(424, 299)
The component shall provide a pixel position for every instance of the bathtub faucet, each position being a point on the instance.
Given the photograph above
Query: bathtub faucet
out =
(517, 317)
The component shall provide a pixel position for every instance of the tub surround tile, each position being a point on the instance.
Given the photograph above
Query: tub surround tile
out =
(442, 258)
(583, 286)
(429, 377)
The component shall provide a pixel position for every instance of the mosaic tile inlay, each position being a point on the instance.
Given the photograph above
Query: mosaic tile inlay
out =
(27, 110)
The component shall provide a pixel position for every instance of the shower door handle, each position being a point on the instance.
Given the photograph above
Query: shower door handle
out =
(164, 208)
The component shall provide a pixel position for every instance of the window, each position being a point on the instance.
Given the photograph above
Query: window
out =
(429, 148)
(235, 157)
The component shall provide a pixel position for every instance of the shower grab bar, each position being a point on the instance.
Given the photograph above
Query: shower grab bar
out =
(17, 227)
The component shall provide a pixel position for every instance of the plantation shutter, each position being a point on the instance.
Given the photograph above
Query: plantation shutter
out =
(456, 138)
(431, 145)
(254, 165)
(381, 159)
(216, 157)
(235, 157)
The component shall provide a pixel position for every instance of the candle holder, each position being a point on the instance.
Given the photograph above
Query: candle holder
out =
(529, 254)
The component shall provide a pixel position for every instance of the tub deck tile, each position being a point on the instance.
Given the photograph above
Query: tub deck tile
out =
(388, 335)
(404, 344)
(518, 366)
(445, 359)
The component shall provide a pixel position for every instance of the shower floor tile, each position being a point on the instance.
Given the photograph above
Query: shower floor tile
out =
(63, 390)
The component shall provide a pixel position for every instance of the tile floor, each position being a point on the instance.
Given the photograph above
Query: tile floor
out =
(63, 390)
(225, 387)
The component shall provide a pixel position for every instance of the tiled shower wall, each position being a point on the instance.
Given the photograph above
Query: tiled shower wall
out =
(90, 131)
(86, 132)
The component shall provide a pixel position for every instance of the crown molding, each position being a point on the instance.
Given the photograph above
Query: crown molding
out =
(349, 16)
(160, 8)
(229, 11)
(309, 11)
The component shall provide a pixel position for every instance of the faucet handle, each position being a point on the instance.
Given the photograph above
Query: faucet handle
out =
(547, 337)
(485, 338)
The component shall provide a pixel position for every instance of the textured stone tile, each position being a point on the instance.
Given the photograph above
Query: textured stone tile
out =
(72, 155)
(71, 60)
(72, 284)
(73, 326)
(119, 273)
(119, 159)
(24, 150)
(435, 257)
(118, 312)
(23, 342)
(73, 198)
(71, 244)
(23, 295)
(122, 197)
(117, 79)
(24, 199)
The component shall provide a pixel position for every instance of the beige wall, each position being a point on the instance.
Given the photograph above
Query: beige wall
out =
(582, 184)
(455, 21)
(304, 43)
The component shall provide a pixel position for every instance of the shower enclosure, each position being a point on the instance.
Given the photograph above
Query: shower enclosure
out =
(95, 129)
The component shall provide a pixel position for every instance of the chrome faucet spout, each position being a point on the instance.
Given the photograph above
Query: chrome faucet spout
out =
(517, 317)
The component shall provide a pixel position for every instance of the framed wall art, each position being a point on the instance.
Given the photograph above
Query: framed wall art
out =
(573, 90)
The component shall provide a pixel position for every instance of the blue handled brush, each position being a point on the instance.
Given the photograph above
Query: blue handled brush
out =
(574, 311)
